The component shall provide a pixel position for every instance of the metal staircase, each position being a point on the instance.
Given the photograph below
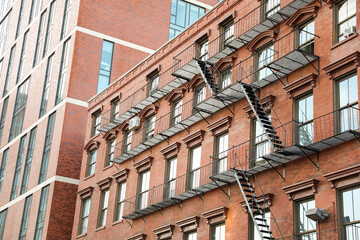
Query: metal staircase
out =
(257, 212)
(207, 75)
(261, 116)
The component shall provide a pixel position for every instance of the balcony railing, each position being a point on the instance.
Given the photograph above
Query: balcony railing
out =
(327, 130)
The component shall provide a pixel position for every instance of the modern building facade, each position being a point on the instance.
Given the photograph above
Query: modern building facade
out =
(54, 56)
(243, 126)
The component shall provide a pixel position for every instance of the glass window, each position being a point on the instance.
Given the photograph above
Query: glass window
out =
(25, 218)
(3, 116)
(194, 167)
(221, 148)
(18, 166)
(66, 17)
(271, 7)
(305, 226)
(170, 182)
(28, 160)
(144, 182)
(104, 201)
(36, 6)
(227, 33)
(110, 151)
(105, 65)
(39, 39)
(91, 163)
(350, 213)
(47, 147)
(49, 28)
(150, 127)
(120, 201)
(264, 57)
(200, 93)
(22, 57)
(127, 141)
(190, 236)
(115, 108)
(63, 69)
(347, 90)
(218, 232)
(176, 112)
(4, 29)
(304, 112)
(96, 122)
(21, 14)
(345, 13)
(306, 37)
(84, 215)
(153, 83)
(261, 145)
(2, 168)
(202, 49)
(46, 88)
(41, 213)
(2, 222)
(9, 69)
(226, 78)
(19, 110)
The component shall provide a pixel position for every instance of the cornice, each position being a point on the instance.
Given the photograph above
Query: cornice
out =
(194, 138)
(195, 81)
(121, 175)
(175, 94)
(164, 231)
(334, 178)
(148, 110)
(220, 125)
(302, 14)
(86, 192)
(143, 164)
(140, 236)
(91, 145)
(261, 39)
(215, 215)
(188, 224)
(109, 135)
(104, 183)
(301, 189)
(301, 86)
(352, 59)
(170, 150)
(225, 62)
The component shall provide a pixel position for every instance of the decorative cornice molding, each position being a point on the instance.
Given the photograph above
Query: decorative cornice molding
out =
(164, 232)
(220, 125)
(188, 224)
(344, 177)
(301, 86)
(302, 14)
(104, 183)
(267, 202)
(216, 215)
(225, 62)
(91, 145)
(109, 135)
(195, 81)
(268, 99)
(170, 150)
(175, 94)
(115, 97)
(226, 17)
(152, 70)
(194, 138)
(330, 2)
(140, 236)
(86, 192)
(261, 39)
(343, 65)
(143, 164)
(148, 110)
(123, 126)
(121, 175)
(301, 189)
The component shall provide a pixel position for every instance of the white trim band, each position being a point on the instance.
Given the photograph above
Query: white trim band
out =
(204, 5)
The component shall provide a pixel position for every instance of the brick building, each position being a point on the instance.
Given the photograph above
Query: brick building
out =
(238, 128)
(54, 56)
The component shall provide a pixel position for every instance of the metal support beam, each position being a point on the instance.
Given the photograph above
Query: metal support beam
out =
(129, 222)
(178, 202)
(227, 194)
(148, 147)
(281, 175)
(186, 127)
(308, 157)
(199, 195)
(140, 215)
(356, 134)
(165, 137)
(179, 76)
(310, 62)
(272, 70)
(160, 210)
(202, 115)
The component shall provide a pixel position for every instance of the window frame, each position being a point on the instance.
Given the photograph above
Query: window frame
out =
(193, 172)
(297, 217)
(115, 109)
(90, 162)
(145, 193)
(149, 133)
(311, 42)
(202, 42)
(297, 124)
(103, 207)
(174, 119)
(197, 90)
(217, 162)
(258, 52)
(265, 12)
(336, 23)
(153, 77)
(96, 123)
(227, 26)
(213, 230)
(110, 152)
(120, 201)
(127, 144)
(82, 216)
(223, 73)
(253, 157)
(170, 184)
(187, 234)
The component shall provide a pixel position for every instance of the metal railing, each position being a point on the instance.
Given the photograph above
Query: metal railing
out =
(243, 156)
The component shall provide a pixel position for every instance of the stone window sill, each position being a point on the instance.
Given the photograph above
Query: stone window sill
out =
(81, 235)
(89, 177)
(344, 41)
(100, 228)
(117, 222)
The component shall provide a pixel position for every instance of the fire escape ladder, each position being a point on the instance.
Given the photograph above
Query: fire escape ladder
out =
(261, 116)
(256, 212)
(208, 76)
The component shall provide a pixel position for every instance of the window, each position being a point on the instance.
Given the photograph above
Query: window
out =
(49, 28)
(227, 33)
(305, 227)
(345, 18)
(254, 234)
(2, 222)
(4, 29)
(263, 57)
(28, 160)
(9, 69)
(47, 147)
(190, 236)
(22, 57)
(84, 215)
(35, 9)
(39, 39)
(110, 152)
(127, 141)
(120, 201)
(17, 173)
(19, 110)
(153, 83)
(221, 148)
(3, 116)
(66, 17)
(150, 127)
(347, 92)
(170, 176)
(218, 232)
(5, 5)
(176, 112)
(350, 209)
(271, 7)
(63, 69)
(21, 14)
(46, 88)
(41, 213)
(103, 207)
(261, 145)
(182, 15)
(194, 167)
(25, 218)
(96, 122)
(90, 170)
(200, 93)
(202, 49)
(105, 65)
(2, 168)
(304, 120)
(225, 78)
(306, 33)
(144, 182)
(115, 108)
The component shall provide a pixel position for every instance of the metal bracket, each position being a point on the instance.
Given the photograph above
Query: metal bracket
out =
(186, 127)
(178, 202)
(213, 179)
(202, 115)
(179, 76)
(308, 157)
(129, 222)
(131, 156)
(165, 137)
(356, 134)
(227, 107)
(160, 210)
(141, 216)
(199, 195)
(272, 70)
(304, 54)
(148, 147)
(281, 175)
